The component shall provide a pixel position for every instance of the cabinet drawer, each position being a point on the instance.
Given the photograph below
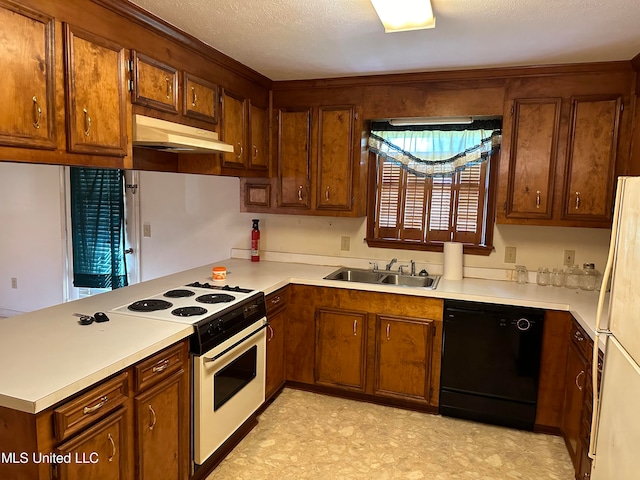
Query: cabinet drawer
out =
(159, 366)
(75, 415)
(276, 301)
(581, 340)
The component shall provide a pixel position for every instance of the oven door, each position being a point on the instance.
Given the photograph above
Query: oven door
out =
(228, 388)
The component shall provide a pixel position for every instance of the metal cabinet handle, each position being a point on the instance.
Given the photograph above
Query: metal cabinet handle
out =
(160, 366)
(300, 193)
(255, 152)
(577, 377)
(355, 328)
(271, 334)
(169, 87)
(326, 194)
(96, 407)
(578, 336)
(577, 200)
(275, 300)
(194, 97)
(388, 332)
(153, 417)
(538, 193)
(37, 112)
(113, 447)
(87, 122)
(241, 150)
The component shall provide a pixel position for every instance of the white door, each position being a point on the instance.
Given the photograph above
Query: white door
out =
(618, 440)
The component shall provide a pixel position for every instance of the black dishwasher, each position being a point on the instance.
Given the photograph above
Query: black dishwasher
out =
(490, 363)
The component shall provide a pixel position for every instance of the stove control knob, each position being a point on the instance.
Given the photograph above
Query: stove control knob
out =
(523, 324)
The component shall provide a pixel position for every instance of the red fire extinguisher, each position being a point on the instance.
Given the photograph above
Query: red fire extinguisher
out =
(255, 241)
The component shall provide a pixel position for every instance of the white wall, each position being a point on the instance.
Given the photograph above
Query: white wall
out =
(31, 237)
(194, 219)
(536, 246)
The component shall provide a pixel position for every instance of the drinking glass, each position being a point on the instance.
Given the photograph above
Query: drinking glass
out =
(543, 277)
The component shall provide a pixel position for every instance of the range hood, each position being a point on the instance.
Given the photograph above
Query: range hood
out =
(159, 134)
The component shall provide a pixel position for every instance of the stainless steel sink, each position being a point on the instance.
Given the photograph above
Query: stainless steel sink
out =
(383, 277)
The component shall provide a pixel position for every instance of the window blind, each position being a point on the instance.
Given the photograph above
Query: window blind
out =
(97, 228)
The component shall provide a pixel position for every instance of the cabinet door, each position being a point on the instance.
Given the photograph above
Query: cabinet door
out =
(340, 348)
(98, 453)
(96, 104)
(234, 129)
(155, 84)
(335, 151)
(200, 99)
(275, 354)
(403, 357)
(577, 370)
(259, 155)
(593, 142)
(532, 161)
(27, 96)
(160, 454)
(294, 168)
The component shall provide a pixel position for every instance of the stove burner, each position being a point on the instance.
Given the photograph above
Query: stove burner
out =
(180, 293)
(149, 305)
(215, 298)
(220, 287)
(188, 311)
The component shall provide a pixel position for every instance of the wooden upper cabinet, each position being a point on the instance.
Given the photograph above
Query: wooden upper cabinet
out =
(294, 167)
(403, 357)
(341, 341)
(259, 133)
(155, 84)
(28, 94)
(200, 100)
(335, 153)
(591, 158)
(532, 160)
(234, 129)
(95, 94)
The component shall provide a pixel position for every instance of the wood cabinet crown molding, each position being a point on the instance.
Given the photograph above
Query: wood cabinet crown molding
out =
(140, 16)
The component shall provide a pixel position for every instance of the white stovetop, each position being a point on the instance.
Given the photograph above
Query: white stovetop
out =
(47, 356)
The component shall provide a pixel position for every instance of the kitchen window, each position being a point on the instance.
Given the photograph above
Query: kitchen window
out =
(431, 184)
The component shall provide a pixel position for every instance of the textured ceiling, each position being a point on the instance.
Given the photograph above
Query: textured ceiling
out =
(302, 39)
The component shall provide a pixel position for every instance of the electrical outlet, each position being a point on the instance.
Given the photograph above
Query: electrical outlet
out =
(14, 282)
(509, 254)
(569, 258)
(345, 244)
(146, 230)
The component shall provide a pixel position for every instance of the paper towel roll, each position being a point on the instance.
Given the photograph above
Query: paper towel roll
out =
(452, 261)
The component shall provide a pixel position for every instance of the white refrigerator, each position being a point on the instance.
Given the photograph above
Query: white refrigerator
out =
(615, 437)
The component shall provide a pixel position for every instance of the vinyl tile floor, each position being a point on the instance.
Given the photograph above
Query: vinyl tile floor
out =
(304, 435)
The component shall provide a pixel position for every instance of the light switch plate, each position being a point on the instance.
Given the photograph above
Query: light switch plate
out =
(569, 258)
(146, 230)
(345, 244)
(509, 254)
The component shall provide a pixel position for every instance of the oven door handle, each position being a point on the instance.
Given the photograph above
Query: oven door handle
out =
(227, 350)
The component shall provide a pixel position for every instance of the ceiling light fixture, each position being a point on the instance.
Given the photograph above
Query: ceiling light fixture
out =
(403, 122)
(403, 15)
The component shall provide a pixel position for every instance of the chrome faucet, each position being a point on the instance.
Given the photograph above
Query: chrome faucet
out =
(393, 260)
(375, 265)
(413, 268)
(401, 269)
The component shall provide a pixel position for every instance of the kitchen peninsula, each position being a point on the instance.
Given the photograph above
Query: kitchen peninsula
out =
(71, 359)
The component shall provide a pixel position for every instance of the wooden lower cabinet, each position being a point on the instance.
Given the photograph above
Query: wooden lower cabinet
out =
(275, 368)
(133, 425)
(159, 430)
(403, 357)
(577, 369)
(341, 342)
(336, 340)
(99, 452)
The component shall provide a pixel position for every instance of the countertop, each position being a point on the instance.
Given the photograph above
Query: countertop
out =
(47, 356)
